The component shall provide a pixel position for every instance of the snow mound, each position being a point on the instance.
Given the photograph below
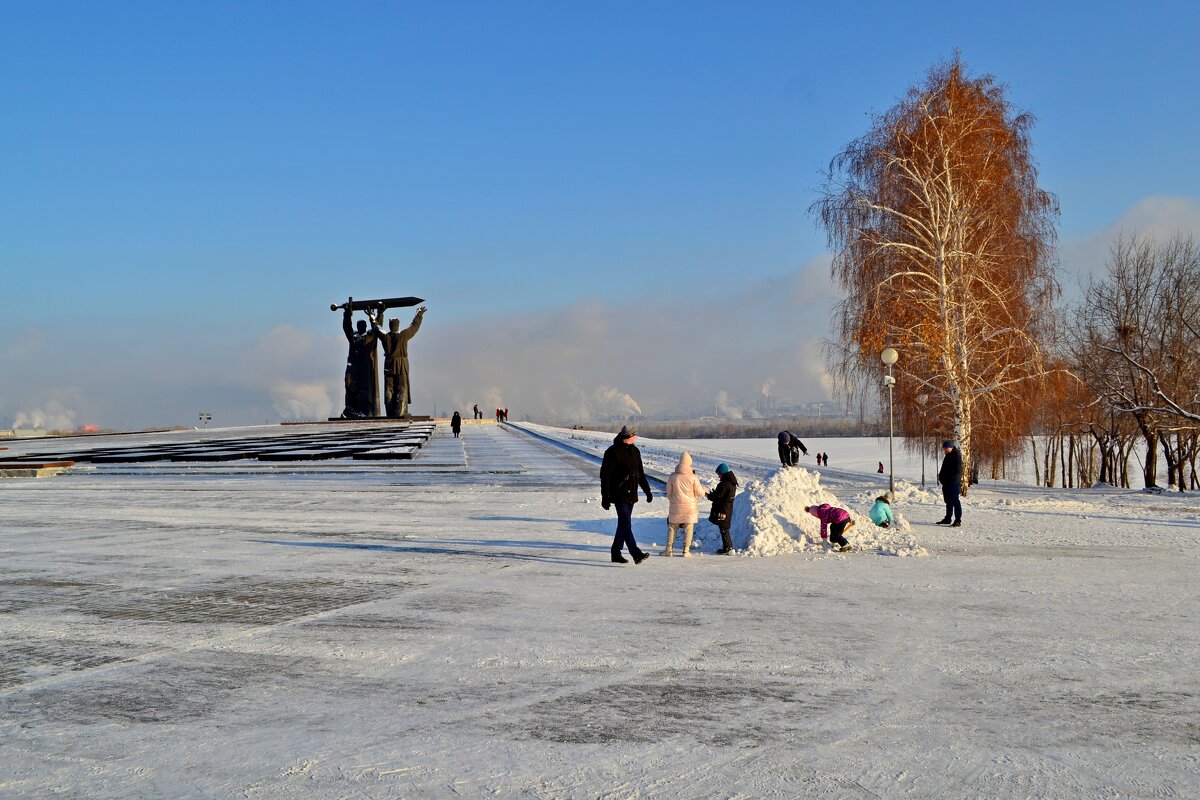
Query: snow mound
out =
(769, 519)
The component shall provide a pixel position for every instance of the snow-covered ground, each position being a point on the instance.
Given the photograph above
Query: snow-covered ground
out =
(453, 626)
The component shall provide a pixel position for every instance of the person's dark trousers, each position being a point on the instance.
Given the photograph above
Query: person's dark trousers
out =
(726, 539)
(950, 492)
(795, 456)
(624, 537)
(785, 455)
(835, 534)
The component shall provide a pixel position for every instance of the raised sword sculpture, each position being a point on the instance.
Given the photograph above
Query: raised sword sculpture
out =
(377, 305)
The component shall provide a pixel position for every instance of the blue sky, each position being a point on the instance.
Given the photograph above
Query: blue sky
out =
(182, 184)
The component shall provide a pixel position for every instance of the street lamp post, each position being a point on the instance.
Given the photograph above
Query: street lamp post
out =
(889, 357)
(922, 399)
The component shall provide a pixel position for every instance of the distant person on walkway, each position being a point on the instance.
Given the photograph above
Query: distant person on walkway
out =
(722, 506)
(950, 477)
(683, 490)
(880, 467)
(818, 459)
(834, 523)
(621, 474)
(881, 512)
(397, 390)
(478, 413)
(506, 414)
(825, 458)
(456, 424)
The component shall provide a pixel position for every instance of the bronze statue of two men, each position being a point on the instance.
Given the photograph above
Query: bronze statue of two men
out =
(362, 369)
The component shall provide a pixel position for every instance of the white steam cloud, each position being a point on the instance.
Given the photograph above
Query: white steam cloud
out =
(54, 415)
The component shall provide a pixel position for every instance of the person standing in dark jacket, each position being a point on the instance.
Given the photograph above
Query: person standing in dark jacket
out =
(621, 474)
(456, 424)
(950, 477)
(722, 506)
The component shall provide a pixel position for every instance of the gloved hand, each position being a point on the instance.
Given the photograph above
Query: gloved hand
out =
(649, 497)
(802, 450)
(605, 504)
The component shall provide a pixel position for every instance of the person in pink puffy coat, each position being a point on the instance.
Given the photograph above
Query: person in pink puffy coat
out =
(834, 523)
(683, 490)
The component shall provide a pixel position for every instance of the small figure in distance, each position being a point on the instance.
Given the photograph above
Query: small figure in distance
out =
(683, 490)
(456, 424)
(722, 506)
(881, 512)
(621, 474)
(834, 523)
(950, 477)
(880, 468)
(478, 413)
(825, 459)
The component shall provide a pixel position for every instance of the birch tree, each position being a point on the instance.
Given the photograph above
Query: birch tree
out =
(942, 242)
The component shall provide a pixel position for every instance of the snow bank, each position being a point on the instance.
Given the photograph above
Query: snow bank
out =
(769, 519)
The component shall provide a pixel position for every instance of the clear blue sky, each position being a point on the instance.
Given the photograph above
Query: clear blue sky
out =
(204, 172)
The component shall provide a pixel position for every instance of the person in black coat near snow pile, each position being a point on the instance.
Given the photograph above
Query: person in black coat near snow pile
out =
(950, 477)
(722, 506)
(456, 424)
(621, 474)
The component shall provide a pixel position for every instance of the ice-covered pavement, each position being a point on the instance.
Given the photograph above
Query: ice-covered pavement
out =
(452, 626)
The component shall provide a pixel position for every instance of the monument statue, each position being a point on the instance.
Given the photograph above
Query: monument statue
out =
(362, 370)
(396, 389)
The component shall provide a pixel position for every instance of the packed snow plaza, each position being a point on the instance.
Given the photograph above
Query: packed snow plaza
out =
(450, 625)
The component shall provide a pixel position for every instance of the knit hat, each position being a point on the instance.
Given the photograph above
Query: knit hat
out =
(627, 432)
(948, 443)
(722, 468)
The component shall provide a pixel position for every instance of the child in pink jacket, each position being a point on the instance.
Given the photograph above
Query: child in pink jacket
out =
(834, 521)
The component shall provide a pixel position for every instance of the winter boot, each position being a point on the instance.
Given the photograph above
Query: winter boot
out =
(670, 551)
(619, 559)
(640, 557)
(956, 524)
(687, 542)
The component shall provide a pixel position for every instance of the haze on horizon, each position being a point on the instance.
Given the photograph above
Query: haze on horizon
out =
(605, 208)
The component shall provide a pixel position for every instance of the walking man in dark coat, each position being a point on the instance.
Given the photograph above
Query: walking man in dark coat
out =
(950, 477)
(621, 474)
(396, 389)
